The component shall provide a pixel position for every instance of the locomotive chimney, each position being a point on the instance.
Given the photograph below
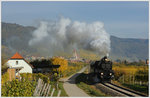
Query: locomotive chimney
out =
(107, 55)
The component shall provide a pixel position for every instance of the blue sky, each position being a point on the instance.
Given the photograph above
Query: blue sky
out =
(122, 19)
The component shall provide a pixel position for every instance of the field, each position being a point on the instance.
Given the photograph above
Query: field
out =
(132, 76)
(84, 83)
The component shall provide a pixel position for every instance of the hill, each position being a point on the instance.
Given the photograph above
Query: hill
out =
(15, 37)
(129, 49)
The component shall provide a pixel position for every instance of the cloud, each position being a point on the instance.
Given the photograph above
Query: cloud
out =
(66, 35)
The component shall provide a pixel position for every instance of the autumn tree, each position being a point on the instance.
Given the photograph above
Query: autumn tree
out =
(60, 61)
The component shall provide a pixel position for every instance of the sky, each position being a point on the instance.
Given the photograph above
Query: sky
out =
(124, 19)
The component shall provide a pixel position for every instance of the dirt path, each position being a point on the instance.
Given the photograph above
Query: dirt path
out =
(70, 87)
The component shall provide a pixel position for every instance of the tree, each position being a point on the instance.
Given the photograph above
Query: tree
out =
(118, 61)
(4, 65)
(60, 61)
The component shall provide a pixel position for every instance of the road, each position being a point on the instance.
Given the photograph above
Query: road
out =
(70, 87)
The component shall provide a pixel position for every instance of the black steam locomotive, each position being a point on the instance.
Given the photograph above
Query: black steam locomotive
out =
(101, 71)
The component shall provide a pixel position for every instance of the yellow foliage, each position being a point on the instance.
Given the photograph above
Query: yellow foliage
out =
(60, 61)
(129, 69)
(5, 78)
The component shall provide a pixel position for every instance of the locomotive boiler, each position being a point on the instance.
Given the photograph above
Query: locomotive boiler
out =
(101, 71)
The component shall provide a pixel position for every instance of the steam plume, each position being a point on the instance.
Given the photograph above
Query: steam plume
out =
(65, 35)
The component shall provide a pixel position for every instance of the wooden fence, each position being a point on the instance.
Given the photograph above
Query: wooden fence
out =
(43, 89)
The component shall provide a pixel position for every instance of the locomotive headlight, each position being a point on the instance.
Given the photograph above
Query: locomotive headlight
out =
(102, 73)
(110, 74)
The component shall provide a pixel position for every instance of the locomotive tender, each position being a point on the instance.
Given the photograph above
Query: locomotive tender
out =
(101, 71)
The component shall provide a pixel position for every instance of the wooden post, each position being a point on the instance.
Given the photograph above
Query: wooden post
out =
(35, 91)
(40, 88)
(37, 88)
(48, 90)
(43, 89)
(57, 85)
(52, 92)
(130, 78)
(59, 92)
(123, 78)
(133, 79)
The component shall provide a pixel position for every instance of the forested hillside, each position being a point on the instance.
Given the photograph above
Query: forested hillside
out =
(16, 37)
(128, 48)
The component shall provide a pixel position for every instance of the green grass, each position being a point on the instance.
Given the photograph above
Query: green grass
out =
(82, 83)
(60, 87)
(76, 67)
(63, 92)
(70, 73)
(136, 87)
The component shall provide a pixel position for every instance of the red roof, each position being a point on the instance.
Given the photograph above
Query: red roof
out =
(16, 56)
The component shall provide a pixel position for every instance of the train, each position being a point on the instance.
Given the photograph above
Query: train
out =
(101, 71)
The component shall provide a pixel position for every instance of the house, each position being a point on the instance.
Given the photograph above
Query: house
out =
(43, 66)
(147, 61)
(19, 64)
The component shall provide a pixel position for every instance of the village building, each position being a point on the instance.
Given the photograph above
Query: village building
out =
(45, 68)
(147, 61)
(17, 64)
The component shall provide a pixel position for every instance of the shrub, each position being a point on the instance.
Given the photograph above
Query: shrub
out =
(17, 88)
(5, 78)
(26, 76)
(43, 77)
(35, 77)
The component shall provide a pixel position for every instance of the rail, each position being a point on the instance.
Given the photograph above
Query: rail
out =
(122, 90)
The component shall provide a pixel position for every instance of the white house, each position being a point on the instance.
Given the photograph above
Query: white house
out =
(20, 64)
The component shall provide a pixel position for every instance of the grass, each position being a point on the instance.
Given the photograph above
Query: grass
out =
(73, 68)
(136, 87)
(63, 92)
(82, 83)
(60, 87)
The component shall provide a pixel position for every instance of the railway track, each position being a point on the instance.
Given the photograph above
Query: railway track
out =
(116, 90)
(131, 91)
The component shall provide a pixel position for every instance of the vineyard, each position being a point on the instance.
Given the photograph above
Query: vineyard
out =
(132, 76)
(27, 84)
(23, 87)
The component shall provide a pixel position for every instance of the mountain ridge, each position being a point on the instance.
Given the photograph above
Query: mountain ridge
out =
(15, 37)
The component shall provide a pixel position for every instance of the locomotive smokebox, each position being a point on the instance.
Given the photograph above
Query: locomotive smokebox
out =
(102, 70)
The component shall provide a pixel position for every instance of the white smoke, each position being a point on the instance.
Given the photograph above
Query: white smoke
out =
(65, 35)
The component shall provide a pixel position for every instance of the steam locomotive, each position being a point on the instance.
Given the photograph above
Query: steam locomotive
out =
(101, 71)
